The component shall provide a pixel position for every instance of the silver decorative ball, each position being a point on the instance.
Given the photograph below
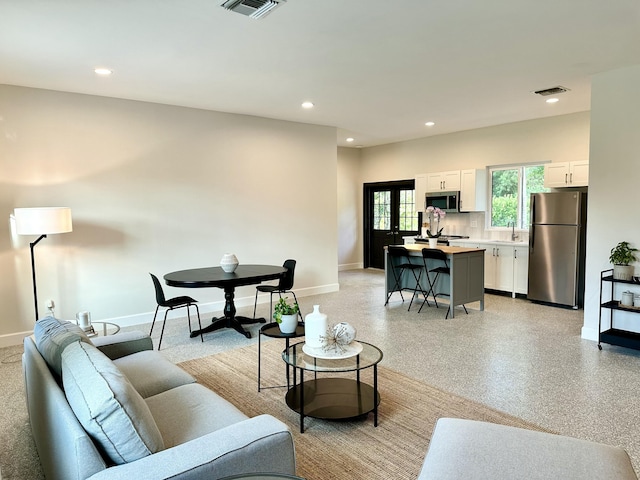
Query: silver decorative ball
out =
(344, 333)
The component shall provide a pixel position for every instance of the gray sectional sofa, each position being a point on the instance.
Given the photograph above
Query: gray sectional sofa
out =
(116, 409)
(467, 449)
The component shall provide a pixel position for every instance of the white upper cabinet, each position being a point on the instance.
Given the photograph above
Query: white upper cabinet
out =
(473, 190)
(443, 181)
(566, 174)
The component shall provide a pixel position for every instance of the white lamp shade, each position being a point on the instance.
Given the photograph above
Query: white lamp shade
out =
(43, 220)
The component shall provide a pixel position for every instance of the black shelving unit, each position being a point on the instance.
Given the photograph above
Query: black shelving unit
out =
(615, 336)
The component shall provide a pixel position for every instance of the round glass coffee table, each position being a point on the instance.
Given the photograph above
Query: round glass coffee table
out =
(333, 397)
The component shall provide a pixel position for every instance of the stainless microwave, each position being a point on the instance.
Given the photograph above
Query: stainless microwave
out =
(446, 201)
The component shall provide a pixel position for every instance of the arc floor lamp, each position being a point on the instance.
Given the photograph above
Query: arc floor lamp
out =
(41, 221)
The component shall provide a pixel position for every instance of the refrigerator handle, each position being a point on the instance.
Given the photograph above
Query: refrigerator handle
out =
(532, 237)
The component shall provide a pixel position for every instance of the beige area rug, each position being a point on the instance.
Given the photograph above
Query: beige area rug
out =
(352, 449)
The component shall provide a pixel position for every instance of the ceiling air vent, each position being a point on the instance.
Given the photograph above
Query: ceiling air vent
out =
(551, 91)
(252, 8)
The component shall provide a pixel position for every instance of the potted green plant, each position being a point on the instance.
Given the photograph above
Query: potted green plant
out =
(286, 315)
(621, 256)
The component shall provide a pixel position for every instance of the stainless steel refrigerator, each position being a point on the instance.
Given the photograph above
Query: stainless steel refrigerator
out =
(557, 248)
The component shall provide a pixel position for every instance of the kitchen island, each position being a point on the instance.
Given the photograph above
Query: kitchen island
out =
(464, 285)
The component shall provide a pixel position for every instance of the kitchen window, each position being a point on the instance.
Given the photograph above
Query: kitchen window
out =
(511, 188)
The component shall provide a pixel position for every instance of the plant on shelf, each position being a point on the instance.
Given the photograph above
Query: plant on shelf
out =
(622, 255)
(435, 215)
(286, 315)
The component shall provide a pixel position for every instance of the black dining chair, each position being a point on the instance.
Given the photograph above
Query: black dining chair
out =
(172, 304)
(284, 286)
(401, 263)
(442, 269)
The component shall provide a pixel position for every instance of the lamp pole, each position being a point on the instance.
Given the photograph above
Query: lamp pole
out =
(33, 273)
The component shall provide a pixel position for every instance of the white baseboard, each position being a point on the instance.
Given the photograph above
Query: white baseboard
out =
(589, 333)
(12, 339)
(350, 266)
(205, 309)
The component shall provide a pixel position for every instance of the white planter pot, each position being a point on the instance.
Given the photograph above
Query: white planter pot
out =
(433, 243)
(288, 323)
(623, 272)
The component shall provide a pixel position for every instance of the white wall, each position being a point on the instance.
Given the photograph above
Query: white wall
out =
(557, 139)
(614, 182)
(349, 209)
(155, 188)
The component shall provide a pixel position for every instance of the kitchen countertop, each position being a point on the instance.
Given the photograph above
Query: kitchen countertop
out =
(517, 243)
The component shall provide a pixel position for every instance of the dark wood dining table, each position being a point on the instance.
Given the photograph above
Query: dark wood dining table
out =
(216, 277)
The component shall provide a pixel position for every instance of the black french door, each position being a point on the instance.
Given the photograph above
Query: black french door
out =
(388, 216)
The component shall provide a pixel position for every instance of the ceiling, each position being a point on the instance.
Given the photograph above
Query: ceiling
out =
(375, 69)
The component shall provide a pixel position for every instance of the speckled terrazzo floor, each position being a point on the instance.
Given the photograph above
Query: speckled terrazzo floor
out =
(522, 358)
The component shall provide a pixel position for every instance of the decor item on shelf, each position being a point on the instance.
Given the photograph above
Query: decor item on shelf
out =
(315, 326)
(627, 299)
(435, 215)
(622, 255)
(286, 315)
(337, 337)
(41, 221)
(229, 262)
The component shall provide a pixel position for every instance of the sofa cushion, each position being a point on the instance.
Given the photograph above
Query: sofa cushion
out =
(107, 405)
(150, 373)
(52, 337)
(191, 411)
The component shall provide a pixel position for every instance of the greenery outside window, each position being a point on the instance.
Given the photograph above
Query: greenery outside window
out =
(382, 210)
(511, 188)
(408, 217)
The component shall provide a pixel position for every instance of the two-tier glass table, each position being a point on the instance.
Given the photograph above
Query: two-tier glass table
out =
(333, 397)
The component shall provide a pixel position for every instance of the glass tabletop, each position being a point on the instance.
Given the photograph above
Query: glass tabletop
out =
(296, 357)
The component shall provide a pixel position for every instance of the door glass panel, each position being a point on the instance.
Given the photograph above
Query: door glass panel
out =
(408, 217)
(382, 210)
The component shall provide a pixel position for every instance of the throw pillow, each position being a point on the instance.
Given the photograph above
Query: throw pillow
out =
(108, 407)
(52, 337)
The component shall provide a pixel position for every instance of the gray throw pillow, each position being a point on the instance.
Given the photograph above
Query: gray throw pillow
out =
(52, 337)
(108, 407)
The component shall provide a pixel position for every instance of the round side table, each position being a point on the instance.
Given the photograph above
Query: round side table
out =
(272, 330)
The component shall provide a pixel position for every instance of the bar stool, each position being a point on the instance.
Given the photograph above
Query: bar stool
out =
(436, 254)
(400, 263)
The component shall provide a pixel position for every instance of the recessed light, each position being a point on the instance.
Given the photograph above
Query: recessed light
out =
(103, 71)
(307, 104)
(430, 124)
(350, 139)
(552, 100)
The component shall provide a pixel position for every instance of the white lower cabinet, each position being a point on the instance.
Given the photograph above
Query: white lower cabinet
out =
(521, 269)
(506, 267)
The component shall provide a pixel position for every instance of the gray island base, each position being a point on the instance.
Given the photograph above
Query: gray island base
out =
(464, 285)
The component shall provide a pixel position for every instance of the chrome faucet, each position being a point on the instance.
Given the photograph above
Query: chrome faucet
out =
(514, 235)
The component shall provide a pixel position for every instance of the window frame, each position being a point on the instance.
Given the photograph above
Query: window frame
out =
(521, 168)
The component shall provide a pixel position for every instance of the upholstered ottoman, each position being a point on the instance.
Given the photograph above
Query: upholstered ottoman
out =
(466, 449)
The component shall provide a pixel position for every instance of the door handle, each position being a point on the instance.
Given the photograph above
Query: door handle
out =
(565, 178)
(571, 177)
